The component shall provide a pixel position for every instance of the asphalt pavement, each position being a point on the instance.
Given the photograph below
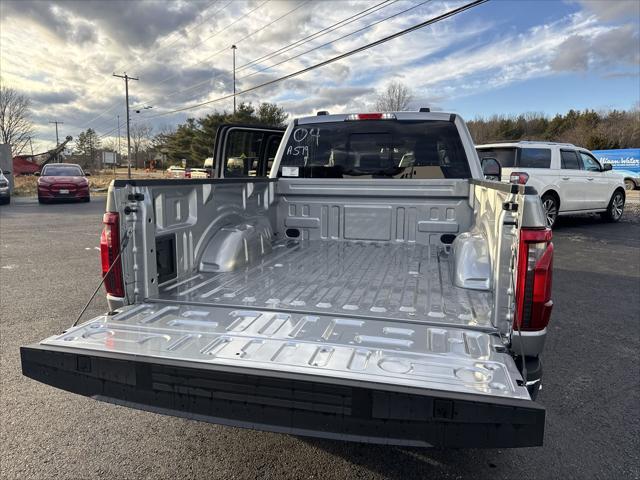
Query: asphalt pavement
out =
(49, 266)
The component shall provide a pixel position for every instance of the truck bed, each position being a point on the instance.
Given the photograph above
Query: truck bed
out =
(391, 281)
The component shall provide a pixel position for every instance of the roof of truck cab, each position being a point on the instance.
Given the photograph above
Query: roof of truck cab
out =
(526, 143)
(443, 116)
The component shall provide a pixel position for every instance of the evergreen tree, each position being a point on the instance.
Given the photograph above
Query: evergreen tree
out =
(87, 147)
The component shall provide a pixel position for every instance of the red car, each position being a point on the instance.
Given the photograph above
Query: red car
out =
(63, 181)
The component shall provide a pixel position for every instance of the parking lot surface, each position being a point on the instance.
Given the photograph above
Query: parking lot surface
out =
(50, 265)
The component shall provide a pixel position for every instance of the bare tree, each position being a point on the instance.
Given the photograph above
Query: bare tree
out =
(140, 139)
(15, 124)
(395, 97)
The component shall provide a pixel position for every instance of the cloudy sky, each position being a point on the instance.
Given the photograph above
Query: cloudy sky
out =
(501, 57)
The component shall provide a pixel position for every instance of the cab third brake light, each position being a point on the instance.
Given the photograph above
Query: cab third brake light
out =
(371, 116)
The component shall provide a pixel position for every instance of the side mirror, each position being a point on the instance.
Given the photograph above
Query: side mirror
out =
(6, 173)
(491, 169)
(606, 167)
(87, 174)
(37, 174)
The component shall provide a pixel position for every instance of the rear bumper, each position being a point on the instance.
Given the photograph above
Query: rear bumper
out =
(531, 344)
(319, 407)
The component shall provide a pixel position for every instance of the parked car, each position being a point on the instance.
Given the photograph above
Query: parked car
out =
(5, 189)
(375, 287)
(175, 171)
(63, 181)
(197, 173)
(631, 179)
(569, 179)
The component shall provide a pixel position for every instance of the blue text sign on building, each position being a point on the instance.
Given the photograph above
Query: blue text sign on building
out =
(621, 159)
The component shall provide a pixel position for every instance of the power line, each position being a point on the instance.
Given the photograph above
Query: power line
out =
(335, 40)
(213, 35)
(155, 54)
(323, 31)
(101, 114)
(300, 42)
(231, 24)
(222, 50)
(192, 28)
(109, 132)
(431, 21)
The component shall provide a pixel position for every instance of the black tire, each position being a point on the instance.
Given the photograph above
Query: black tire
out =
(550, 206)
(41, 200)
(629, 184)
(615, 209)
(86, 199)
(5, 201)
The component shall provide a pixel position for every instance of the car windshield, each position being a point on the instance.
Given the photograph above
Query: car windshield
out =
(62, 171)
(375, 149)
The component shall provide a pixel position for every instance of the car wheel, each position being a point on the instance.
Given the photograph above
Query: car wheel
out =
(550, 205)
(629, 184)
(86, 199)
(5, 201)
(41, 200)
(616, 207)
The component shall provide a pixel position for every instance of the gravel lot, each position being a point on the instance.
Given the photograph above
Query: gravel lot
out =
(50, 265)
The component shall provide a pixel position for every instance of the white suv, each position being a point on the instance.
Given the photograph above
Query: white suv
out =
(568, 179)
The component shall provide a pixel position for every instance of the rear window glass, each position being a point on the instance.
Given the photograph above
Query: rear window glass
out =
(62, 171)
(535, 158)
(375, 149)
(506, 157)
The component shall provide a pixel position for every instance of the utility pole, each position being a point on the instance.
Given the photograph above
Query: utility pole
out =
(57, 141)
(119, 154)
(233, 47)
(31, 145)
(126, 89)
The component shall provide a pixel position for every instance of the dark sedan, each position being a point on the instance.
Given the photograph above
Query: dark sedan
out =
(63, 181)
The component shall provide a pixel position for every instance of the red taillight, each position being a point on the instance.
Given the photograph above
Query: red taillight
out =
(533, 290)
(519, 178)
(109, 251)
(371, 116)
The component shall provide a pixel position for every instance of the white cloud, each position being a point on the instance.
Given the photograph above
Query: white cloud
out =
(63, 53)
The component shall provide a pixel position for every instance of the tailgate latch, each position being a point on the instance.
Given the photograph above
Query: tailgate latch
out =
(510, 206)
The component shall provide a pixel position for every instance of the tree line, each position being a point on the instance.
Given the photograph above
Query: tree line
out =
(194, 139)
(588, 128)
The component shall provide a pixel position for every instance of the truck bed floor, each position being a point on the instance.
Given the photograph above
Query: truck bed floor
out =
(375, 280)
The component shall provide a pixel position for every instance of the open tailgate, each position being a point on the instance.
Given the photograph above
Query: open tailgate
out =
(347, 378)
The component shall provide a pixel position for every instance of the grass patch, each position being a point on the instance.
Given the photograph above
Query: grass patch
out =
(26, 186)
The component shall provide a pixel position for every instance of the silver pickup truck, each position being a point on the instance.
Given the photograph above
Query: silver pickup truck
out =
(352, 277)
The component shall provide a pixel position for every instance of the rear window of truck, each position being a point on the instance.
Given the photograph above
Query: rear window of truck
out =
(422, 149)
